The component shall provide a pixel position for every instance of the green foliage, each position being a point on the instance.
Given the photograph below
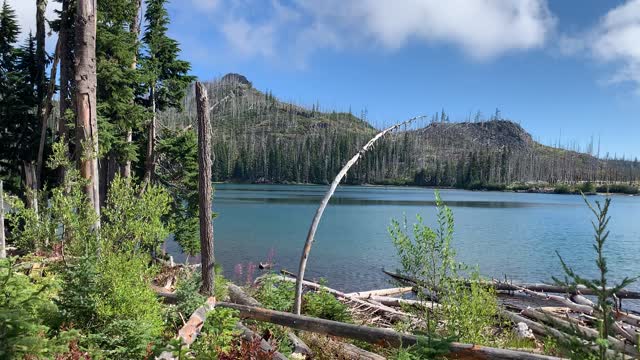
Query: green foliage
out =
(601, 287)
(124, 293)
(26, 314)
(217, 334)
(586, 187)
(618, 189)
(322, 304)
(19, 128)
(178, 171)
(562, 189)
(166, 76)
(276, 295)
(187, 295)
(77, 298)
(468, 311)
(66, 225)
(134, 218)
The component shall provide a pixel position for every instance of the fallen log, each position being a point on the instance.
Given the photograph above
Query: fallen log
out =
(238, 296)
(582, 331)
(543, 330)
(341, 349)
(547, 288)
(586, 309)
(391, 301)
(249, 335)
(378, 336)
(388, 311)
(381, 292)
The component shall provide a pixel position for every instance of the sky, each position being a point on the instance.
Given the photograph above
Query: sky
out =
(566, 70)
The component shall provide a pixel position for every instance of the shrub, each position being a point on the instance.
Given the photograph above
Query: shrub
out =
(24, 309)
(586, 187)
(468, 311)
(618, 189)
(217, 335)
(134, 218)
(276, 295)
(562, 189)
(322, 304)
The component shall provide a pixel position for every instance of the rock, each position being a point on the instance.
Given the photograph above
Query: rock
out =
(522, 331)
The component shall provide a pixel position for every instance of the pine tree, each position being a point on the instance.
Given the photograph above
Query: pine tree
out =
(18, 100)
(118, 84)
(166, 76)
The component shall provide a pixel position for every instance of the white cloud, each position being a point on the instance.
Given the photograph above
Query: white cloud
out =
(26, 14)
(616, 39)
(483, 29)
(249, 39)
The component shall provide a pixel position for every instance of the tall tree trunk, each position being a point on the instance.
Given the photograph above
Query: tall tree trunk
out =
(3, 245)
(65, 39)
(85, 99)
(41, 62)
(150, 167)
(135, 29)
(205, 191)
(47, 107)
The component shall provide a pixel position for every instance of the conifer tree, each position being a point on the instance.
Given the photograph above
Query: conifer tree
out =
(166, 76)
(118, 83)
(17, 100)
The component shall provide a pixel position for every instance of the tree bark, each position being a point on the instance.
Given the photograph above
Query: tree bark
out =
(205, 191)
(47, 107)
(150, 166)
(85, 99)
(65, 38)
(41, 65)
(378, 336)
(3, 244)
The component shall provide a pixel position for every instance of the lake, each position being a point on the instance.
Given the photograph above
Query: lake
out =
(506, 234)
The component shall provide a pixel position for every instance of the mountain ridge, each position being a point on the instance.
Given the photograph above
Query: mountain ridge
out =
(265, 139)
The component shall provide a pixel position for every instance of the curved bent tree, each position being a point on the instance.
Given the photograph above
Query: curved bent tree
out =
(325, 201)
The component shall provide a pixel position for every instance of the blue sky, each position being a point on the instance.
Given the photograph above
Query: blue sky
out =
(565, 69)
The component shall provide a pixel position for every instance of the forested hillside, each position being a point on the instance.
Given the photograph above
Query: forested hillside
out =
(258, 138)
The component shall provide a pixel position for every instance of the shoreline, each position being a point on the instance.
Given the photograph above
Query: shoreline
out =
(541, 190)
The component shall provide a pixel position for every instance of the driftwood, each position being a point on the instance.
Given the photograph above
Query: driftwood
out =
(547, 288)
(238, 296)
(381, 292)
(392, 301)
(382, 337)
(543, 330)
(579, 330)
(386, 310)
(586, 309)
(297, 306)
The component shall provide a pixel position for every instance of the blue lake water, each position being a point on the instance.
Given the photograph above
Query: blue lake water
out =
(505, 234)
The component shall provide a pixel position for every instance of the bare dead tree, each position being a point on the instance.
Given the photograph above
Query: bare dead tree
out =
(205, 191)
(323, 204)
(85, 99)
